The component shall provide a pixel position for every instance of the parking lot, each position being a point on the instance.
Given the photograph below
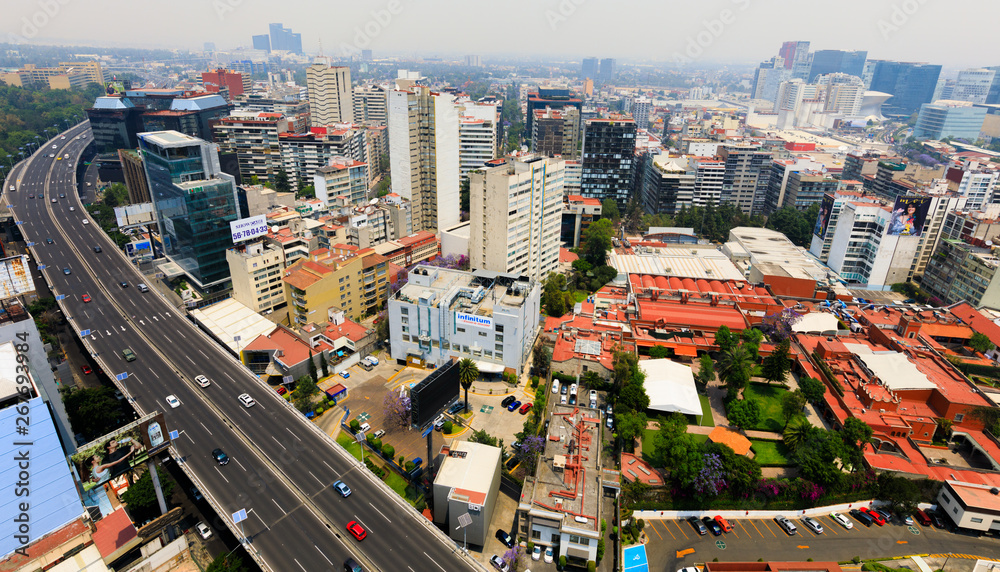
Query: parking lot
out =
(674, 544)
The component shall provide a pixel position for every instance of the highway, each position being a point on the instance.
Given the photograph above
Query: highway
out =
(282, 466)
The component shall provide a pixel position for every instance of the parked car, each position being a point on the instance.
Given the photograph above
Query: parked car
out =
(813, 524)
(513, 405)
(203, 530)
(923, 518)
(905, 519)
(555, 386)
(536, 554)
(886, 515)
(697, 525)
(525, 408)
(508, 400)
(196, 494)
(345, 374)
(281, 390)
(439, 423)
(937, 519)
(841, 520)
(504, 538)
(593, 399)
(786, 525)
(499, 564)
(456, 407)
(726, 527)
(713, 526)
(380, 433)
(874, 515)
(548, 555)
(862, 517)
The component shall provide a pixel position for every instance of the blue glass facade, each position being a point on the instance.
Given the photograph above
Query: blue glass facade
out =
(911, 85)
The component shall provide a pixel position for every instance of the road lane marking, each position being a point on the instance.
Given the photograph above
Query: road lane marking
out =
(205, 428)
(300, 565)
(380, 512)
(321, 554)
(278, 442)
(668, 529)
(317, 479)
(154, 373)
(240, 464)
(834, 526)
(676, 523)
(296, 436)
(743, 527)
(279, 507)
(230, 377)
(331, 470)
(221, 475)
(685, 552)
(902, 542)
(769, 528)
(202, 353)
(190, 360)
(182, 334)
(755, 528)
(653, 528)
(803, 547)
(435, 563)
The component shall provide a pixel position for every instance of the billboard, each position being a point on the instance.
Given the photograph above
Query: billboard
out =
(908, 216)
(825, 208)
(428, 397)
(247, 228)
(15, 277)
(473, 320)
(117, 87)
(115, 454)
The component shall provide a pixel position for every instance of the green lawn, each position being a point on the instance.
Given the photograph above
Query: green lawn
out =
(580, 296)
(769, 399)
(706, 407)
(348, 442)
(770, 452)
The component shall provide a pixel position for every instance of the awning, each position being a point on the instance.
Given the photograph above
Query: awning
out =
(689, 351)
(487, 367)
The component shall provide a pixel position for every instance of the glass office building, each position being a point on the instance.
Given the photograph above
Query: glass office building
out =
(194, 202)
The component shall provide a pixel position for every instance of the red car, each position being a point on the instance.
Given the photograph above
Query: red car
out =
(85, 297)
(356, 530)
(524, 408)
(281, 390)
(86, 370)
(879, 520)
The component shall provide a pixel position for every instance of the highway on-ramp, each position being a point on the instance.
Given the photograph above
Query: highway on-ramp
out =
(282, 466)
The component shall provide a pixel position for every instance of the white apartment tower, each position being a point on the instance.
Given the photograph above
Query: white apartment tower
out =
(371, 104)
(521, 202)
(256, 269)
(973, 85)
(477, 135)
(424, 155)
(330, 97)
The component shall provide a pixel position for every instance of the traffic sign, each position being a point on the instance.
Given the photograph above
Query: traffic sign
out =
(122, 376)
(84, 332)
(30, 243)
(60, 297)
(42, 267)
(239, 516)
(174, 435)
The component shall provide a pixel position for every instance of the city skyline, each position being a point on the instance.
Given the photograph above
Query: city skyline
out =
(728, 31)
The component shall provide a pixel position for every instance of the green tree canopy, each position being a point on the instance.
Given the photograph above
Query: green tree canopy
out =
(791, 405)
(596, 241)
(609, 209)
(776, 366)
(93, 411)
(743, 413)
(140, 498)
(812, 388)
(725, 339)
(735, 370)
(981, 342)
(468, 372)
(658, 352)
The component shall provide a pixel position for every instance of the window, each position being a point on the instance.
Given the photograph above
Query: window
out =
(404, 311)
(946, 498)
(959, 417)
(499, 328)
(536, 534)
(461, 330)
(499, 347)
(977, 520)
(482, 334)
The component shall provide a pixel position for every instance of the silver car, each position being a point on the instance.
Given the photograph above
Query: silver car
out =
(813, 524)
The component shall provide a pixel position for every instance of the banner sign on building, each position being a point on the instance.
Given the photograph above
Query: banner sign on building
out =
(823, 219)
(908, 216)
(247, 228)
(473, 320)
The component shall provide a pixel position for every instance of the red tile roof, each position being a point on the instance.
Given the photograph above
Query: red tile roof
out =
(113, 532)
(294, 349)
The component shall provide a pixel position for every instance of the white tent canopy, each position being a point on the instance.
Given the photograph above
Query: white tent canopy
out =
(816, 322)
(670, 386)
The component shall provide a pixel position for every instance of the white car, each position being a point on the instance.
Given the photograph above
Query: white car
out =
(536, 554)
(246, 400)
(85, 221)
(173, 402)
(203, 530)
(841, 520)
(202, 381)
(555, 382)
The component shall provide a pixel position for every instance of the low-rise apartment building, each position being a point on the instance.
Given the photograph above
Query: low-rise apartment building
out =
(256, 269)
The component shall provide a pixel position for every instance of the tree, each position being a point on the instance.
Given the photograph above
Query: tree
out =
(795, 224)
(981, 342)
(280, 182)
(735, 369)
(512, 556)
(140, 498)
(817, 457)
(706, 373)
(633, 397)
(796, 433)
(725, 339)
(777, 365)
(778, 326)
(542, 359)
(751, 338)
(609, 209)
(312, 367)
(93, 411)
(528, 450)
(711, 477)
(903, 493)
(624, 368)
(988, 416)
(855, 434)
(554, 295)
(305, 388)
(633, 215)
(791, 405)
(467, 374)
(324, 366)
(813, 389)
(481, 436)
(743, 413)
(658, 352)
(396, 409)
(463, 194)
(227, 562)
(628, 426)
(596, 241)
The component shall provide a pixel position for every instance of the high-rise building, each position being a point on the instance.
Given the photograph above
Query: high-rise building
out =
(330, 97)
(477, 135)
(945, 118)
(262, 42)
(578, 213)
(837, 61)
(223, 78)
(115, 122)
(556, 97)
(521, 202)
(342, 177)
(748, 171)
(135, 176)
(366, 55)
(473, 61)
(254, 138)
(302, 154)
(424, 155)
(193, 201)
(911, 85)
(792, 52)
(589, 69)
(556, 132)
(67, 75)
(667, 185)
(641, 108)
(796, 183)
(959, 271)
(768, 77)
(283, 39)
(606, 74)
(973, 85)
(976, 182)
(993, 95)
(608, 159)
(353, 281)
(256, 268)
(371, 104)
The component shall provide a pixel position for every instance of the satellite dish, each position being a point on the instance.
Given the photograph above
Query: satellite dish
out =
(373, 201)
(842, 148)
(989, 243)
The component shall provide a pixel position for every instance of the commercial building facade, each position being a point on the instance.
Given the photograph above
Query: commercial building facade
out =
(256, 269)
(467, 482)
(342, 177)
(371, 104)
(956, 119)
(958, 271)
(556, 132)
(302, 154)
(331, 98)
(608, 159)
(254, 138)
(477, 135)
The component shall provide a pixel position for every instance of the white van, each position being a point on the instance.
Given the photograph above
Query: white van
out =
(142, 287)
(371, 360)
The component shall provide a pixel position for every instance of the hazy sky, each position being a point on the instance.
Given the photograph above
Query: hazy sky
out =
(955, 33)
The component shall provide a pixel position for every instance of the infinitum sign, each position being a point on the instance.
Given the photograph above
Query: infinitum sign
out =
(473, 320)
